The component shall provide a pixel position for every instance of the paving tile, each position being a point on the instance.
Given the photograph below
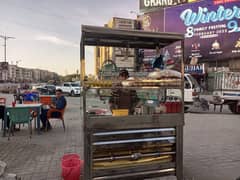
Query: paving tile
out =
(211, 148)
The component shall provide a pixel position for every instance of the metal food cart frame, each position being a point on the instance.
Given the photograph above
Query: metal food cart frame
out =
(102, 36)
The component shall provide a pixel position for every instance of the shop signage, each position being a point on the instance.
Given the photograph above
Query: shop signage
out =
(125, 62)
(146, 5)
(194, 69)
(121, 23)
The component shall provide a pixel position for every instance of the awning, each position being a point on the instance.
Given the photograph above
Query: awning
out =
(103, 36)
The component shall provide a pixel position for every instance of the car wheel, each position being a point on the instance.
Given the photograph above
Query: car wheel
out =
(72, 93)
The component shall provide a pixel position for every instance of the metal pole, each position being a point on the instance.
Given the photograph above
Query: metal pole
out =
(5, 49)
(82, 61)
(5, 38)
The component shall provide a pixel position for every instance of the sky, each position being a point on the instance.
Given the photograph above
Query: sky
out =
(47, 32)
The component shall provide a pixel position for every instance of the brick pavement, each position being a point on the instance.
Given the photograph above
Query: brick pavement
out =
(211, 147)
(39, 158)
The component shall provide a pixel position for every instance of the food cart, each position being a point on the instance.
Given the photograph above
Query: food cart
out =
(144, 145)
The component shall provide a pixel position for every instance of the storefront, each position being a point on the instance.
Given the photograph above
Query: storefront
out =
(198, 72)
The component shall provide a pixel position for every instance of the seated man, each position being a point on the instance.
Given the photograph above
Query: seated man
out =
(53, 112)
(2, 110)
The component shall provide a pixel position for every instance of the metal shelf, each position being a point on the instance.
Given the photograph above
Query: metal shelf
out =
(139, 88)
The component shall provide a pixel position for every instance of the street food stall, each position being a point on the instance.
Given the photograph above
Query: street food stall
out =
(145, 141)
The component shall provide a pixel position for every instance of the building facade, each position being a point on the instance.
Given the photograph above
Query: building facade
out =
(124, 58)
(36, 75)
(14, 73)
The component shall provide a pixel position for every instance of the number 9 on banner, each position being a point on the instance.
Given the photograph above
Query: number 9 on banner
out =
(233, 26)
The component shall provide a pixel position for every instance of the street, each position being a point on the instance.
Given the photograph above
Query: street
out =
(211, 146)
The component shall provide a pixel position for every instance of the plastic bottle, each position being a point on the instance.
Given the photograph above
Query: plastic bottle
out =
(174, 105)
(168, 105)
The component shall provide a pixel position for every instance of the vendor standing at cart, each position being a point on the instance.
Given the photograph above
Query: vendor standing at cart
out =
(123, 98)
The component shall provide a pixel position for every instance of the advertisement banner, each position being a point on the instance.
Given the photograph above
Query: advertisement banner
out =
(211, 28)
(223, 1)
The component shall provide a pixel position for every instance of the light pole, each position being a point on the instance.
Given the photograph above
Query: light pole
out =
(5, 38)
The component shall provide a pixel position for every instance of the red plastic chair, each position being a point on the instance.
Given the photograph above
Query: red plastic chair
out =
(61, 115)
(45, 100)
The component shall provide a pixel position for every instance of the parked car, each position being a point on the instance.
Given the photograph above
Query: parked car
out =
(191, 91)
(46, 89)
(71, 88)
(50, 88)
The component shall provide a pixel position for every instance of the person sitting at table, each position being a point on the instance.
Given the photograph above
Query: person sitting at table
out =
(2, 110)
(59, 104)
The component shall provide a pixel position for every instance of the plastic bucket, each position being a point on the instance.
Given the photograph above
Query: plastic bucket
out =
(71, 167)
(70, 156)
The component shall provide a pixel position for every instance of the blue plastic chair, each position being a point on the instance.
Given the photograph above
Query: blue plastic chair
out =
(19, 116)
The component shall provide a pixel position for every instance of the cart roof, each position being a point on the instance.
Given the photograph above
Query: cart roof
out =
(103, 36)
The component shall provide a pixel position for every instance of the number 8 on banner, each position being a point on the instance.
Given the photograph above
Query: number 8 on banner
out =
(189, 33)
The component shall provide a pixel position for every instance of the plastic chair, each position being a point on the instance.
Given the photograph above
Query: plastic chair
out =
(61, 115)
(45, 100)
(2, 107)
(31, 96)
(19, 116)
(3, 101)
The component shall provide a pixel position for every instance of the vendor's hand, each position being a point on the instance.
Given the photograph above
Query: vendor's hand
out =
(52, 106)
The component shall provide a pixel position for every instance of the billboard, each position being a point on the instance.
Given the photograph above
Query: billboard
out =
(211, 28)
(146, 5)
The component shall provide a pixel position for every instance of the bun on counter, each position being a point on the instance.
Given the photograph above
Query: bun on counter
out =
(164, 74)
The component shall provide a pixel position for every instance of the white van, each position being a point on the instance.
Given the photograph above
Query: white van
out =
(191, 90)
(70, 88)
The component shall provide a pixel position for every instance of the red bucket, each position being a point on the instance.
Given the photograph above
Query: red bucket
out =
(70, 156)
(71, 167)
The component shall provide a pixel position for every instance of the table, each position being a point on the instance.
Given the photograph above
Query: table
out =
(33, 107)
